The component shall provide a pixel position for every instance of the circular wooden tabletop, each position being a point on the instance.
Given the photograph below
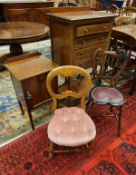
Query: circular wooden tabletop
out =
(20, 32)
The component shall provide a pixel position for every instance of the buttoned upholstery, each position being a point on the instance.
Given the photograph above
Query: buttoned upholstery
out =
(71, 127)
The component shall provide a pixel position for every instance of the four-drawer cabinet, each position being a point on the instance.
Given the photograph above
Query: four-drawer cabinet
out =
(76, 35)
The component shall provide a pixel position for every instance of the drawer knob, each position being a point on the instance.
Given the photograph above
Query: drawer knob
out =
(81, 53)
(86, 31)
(105, 28)
(29, 96)
(83, 42)
(101, 37)
(81, 65)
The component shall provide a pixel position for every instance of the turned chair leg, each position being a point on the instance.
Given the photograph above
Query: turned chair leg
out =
(51, 150)
(111, 108)
(90, 110)
(119, 121)
(89, 147)
(133, 84)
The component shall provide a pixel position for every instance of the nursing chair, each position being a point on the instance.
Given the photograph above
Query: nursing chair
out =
(70, 127)
(128, 10)
(108, 94)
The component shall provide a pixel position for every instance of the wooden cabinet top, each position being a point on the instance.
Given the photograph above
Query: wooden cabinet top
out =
(30, 65)
(81, 15)
(23, 1)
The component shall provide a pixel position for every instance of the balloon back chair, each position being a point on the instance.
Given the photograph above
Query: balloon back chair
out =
(109, 94)
(70, 126)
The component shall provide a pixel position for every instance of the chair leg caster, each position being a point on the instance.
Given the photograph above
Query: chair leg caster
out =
(89, 148)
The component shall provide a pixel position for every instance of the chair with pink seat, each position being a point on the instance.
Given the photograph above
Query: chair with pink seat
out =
(70, 127)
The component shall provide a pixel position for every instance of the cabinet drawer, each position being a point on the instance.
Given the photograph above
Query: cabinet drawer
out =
(84, 62)
(83, 56)
(93, 29)
(88, 50)
(91, 40)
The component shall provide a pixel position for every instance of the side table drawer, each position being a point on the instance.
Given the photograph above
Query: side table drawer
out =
(93, 29)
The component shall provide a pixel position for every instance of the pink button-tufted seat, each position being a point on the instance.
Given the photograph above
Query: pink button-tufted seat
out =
(71, 127)
(107, 95)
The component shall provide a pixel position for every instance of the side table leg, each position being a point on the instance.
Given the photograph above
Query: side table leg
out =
(132, 90)
(31, 119)
(21, 108)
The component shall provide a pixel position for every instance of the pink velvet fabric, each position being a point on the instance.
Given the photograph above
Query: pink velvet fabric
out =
(71, 127)
(107, 95)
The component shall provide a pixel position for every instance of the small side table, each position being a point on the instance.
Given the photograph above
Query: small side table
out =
(29, 72)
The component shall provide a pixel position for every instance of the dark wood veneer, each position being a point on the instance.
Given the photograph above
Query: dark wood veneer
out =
(25, 11)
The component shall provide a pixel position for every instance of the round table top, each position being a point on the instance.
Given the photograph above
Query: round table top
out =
(20, 32)
(129, 30)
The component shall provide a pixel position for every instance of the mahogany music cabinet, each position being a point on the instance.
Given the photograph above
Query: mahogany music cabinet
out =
(76, 35)
(29, 72)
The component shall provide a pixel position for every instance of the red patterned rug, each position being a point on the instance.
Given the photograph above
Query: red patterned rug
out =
(112, 155)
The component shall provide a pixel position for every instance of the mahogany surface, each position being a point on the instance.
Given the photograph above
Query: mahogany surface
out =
(15, 33)
(20, 32)
(29, 72)
(76, 35)
(127, 34)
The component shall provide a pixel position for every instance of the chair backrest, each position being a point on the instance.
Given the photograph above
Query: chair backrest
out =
(124, 20)
(129, 10)
(70, 72)
(102, 60)
(113, 8)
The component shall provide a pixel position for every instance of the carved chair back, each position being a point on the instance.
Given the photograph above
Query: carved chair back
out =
(69, 72)
(113, 8)
(129, 10)
(108, 66)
